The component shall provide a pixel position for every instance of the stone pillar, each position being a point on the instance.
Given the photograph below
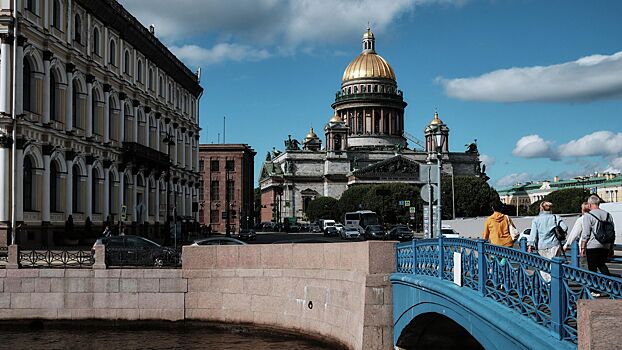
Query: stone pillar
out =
(106, 113)
(134, 195)
(122, 118)
(5, 74)
(68, 99)
(157, 200)
(100, 257)
(5, 163)
(45, 194)
(89, 188)
(106, 210)
(182, 162)
(146, 200)
(89, 106)
(183, 200)
(135, 131)
(47, 56)
(69, 186)
(147, 143)
(19, 182)
(19, 75)
(158, 141)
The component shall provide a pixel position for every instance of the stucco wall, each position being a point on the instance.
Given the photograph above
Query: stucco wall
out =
(273, 285)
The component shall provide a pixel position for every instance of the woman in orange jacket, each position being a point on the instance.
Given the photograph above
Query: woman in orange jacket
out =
(497, 227)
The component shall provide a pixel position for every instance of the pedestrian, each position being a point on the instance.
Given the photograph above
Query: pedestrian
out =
(577, 228)
(498, 226)
(542, 236)
(107, 231)
(594, 250)
(122, 230)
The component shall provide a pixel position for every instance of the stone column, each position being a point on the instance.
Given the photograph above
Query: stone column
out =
(107, 113)
(69, 16)
(134, 195)
(69, 185)
(45, 194)
(182, 162)
(106, 210)
(19, 181)
(158, 141)
(89, 106)
(183, 200)
(157, 200)
(89, 188)
(146, 200)
(122, 118)
(5, 73)
(5, 162)
(121, 191)
(135, 131)
(47, 56)
(69, 98)
(147, 143)
(19, 75)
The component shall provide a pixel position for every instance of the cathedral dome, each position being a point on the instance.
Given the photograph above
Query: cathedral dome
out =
(368, 64)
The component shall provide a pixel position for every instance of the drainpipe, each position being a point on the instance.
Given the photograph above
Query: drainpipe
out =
(14, 131)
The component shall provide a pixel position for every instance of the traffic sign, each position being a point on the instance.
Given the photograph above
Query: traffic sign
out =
(407, 203)
(428, 173)
(425, 193)
(123, 213)
(401, 202)
(413, 210)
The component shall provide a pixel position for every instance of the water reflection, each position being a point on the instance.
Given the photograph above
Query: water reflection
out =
(107, 336)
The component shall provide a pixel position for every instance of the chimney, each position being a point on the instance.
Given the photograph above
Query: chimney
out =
(152, 29)
(555, 178)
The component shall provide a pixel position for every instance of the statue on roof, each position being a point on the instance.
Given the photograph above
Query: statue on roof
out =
(275, 152)
(292, 144)
(472, 147)
(268, 156)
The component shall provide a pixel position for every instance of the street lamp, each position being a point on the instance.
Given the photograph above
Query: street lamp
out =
(439, 139)
(168, 139)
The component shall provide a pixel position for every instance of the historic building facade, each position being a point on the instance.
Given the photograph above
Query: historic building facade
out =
(227, 178)
(364, 143)
(107, 120)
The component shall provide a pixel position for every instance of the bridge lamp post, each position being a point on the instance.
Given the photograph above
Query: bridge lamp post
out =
(439, 140)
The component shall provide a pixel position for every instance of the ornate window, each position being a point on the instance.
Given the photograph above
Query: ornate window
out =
(28, 185)
(56, 14)
(54, 188)
(96, 41)
(126, 62)
(113, 53)
(77, 34)
(75, 189)
(150, 77)
(139, 72)
(27, 84)
(74, 106)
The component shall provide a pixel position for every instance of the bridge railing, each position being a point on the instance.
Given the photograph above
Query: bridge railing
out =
(546, 291)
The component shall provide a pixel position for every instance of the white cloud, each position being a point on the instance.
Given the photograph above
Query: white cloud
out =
(533, 146)
(586, 79)
(513, 179)
(279, 26)
(599, 143)
(487, 160)
(615, 166)
(199, 56)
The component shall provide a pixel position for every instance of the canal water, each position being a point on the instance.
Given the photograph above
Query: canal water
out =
(109, 336)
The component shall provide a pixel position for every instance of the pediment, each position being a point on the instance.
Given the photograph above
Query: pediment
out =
(398, 167)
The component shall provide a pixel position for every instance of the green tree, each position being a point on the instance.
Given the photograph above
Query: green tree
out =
(383, 199)
(566, 201)
(472, 197)
(322, 208)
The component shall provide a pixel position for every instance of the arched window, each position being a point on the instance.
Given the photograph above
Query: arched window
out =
(160, 86)
(113, 53)
(75, 189)
(56, 14)
(126, 62)
(28, 183)
(27, 86)
(150, 77)
(77, 34)
(74, 105)
(337, 142)
(96, 41)
(139, 72)
(54, 188)
(53, 113)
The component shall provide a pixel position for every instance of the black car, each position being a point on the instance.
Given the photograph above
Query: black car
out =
(331, 231)
(374, 232)
(218, 241)
(247, 234)
(401, 233)
(128, 250)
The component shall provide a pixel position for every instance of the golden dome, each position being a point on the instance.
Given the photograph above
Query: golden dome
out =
(335, 119)
(368, 34)
(436, 120)
(311, 135)
(368, 65)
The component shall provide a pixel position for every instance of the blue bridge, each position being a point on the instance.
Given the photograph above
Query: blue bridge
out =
(491, 297)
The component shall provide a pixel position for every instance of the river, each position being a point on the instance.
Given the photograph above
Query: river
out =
(112, 336)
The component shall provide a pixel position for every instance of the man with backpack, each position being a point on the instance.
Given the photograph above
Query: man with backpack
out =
(597, 237)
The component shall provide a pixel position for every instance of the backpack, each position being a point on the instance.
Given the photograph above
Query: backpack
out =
(605, 232)
(559, 232)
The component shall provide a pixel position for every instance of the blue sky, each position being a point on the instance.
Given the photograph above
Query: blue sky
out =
(537, 83)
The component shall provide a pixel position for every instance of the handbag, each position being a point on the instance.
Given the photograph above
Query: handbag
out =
(513, 230)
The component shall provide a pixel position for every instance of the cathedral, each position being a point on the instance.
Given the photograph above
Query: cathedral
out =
(364, 143)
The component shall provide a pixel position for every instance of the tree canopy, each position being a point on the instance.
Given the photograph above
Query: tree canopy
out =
(322, 208)
(473, 197)
(566, 201)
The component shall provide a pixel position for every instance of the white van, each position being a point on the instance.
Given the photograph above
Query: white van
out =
(325, 223)
(615, 209)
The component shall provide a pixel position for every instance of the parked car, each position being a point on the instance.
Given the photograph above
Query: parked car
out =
(304, 227)
(304, 240)
(525, 234)
(247, 234)
(374, 232)
(350, 232)
(129, 250)
(331, 231)
(218, 241)
(449, 232)
(401, 233)
(339, 228)
(315, 228)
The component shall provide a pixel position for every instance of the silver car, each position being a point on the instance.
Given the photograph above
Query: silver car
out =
(349, 232)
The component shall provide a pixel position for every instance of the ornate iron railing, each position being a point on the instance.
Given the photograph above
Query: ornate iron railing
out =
(55, 258)
(546, 291)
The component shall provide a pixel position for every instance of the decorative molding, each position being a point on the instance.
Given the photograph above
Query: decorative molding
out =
(90, 159)
(48, 55)
(5, 141)
(135, 103)
(47, 150)
(157, 115)
(70, 155)
(70, 67)
(147, 109)
(90, 78)
(107, 88)
(122, 96)
(22, 143)
(183, 129)
(21, 40)
(107, 163)
(167, 120)
(175, 125)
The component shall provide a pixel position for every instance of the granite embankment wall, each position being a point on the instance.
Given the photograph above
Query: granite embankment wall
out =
(337, 291)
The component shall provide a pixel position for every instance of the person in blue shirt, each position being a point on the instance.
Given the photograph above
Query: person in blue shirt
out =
(542, 237)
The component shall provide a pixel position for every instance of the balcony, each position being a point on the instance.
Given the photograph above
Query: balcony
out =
(144, 156)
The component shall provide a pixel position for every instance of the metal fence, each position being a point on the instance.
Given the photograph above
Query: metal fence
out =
(546, 291)
(55, 258)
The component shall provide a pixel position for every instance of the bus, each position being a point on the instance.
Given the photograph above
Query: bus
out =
(360, 219)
